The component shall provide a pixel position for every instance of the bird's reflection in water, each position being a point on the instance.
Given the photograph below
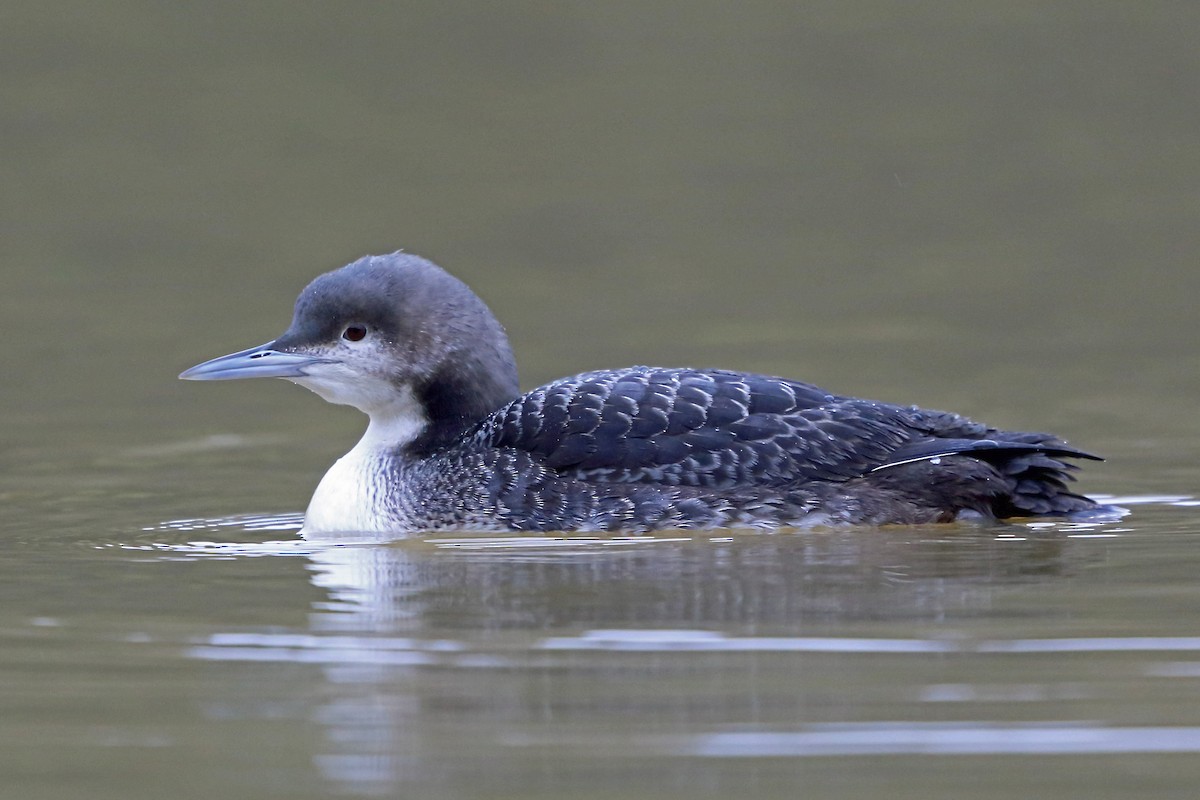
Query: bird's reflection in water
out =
(446, 638)
(431, 647)
(738, 583)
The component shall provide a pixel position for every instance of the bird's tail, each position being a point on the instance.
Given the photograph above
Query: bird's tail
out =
(1034, 475)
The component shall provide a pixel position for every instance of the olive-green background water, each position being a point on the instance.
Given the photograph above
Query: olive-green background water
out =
(990, 208)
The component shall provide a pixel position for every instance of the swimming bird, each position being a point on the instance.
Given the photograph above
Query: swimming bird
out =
(452, 442)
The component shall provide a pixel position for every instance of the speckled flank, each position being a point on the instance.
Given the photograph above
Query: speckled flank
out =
(644, 448)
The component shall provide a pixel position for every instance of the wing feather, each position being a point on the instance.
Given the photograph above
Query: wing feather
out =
(724, 430)
(705, 428)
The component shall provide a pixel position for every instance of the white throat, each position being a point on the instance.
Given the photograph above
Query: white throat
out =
(353, 495)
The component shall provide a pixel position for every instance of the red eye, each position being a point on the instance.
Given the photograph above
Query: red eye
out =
(354, 333)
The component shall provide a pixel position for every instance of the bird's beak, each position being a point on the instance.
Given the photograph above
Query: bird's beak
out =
(258, 362)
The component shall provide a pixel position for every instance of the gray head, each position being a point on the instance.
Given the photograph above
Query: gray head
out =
(388, 330)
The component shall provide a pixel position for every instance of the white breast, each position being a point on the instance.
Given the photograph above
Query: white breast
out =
(357, 493)
(349, 497)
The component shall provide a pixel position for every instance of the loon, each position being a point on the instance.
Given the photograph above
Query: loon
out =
(452, 443)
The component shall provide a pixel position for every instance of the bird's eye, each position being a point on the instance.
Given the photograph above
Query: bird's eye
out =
(354, 333)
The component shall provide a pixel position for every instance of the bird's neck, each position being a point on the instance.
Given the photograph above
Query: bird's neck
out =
(356, 493)
(395, 425)
(456, 398)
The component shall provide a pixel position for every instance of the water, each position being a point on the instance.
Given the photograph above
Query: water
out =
(251, 662)
(987, 209)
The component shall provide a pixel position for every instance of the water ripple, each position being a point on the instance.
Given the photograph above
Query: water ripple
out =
(932, 738)
(695, 640)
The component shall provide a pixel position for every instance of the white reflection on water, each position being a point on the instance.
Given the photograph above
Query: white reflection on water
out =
(246, 522)
(934, 738)
(206, 548)
(307, 649)
(994, 693)
(405, 651)
(1182, 500)
(200, 548)
(691, 640)
(527, 541)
